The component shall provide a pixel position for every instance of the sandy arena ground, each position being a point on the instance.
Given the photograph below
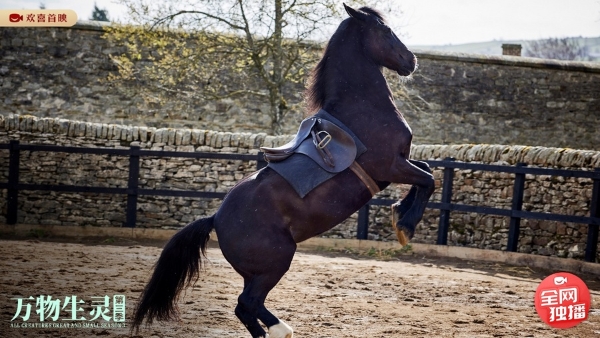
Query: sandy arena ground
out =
(323, 294)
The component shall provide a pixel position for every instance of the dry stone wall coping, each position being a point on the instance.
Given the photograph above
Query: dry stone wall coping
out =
(508, 60)
(484, 153)
(201, 139)
(510, 155)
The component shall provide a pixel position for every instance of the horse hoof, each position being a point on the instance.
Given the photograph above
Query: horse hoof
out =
(281, 330)
(402, 233)
(403, 236)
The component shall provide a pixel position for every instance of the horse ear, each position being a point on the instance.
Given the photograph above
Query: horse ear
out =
(355, 14)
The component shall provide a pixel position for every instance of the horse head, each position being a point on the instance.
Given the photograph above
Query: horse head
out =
(381, 43)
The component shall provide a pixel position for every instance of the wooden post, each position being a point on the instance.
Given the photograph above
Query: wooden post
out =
(260, 161)
(12, 199)
(362, 229)
(444, 224)
(517, 204)
(132, 187)
(592, 236)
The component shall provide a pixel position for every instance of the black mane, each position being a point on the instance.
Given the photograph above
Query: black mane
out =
(373, 12)
(315, 93)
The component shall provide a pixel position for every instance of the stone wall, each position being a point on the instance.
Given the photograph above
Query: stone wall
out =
(61, 72)
(569, 196)
(506, 100)
(543, 193)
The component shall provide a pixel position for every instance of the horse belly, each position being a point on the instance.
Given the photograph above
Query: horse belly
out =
(267, 204)
(327, 206)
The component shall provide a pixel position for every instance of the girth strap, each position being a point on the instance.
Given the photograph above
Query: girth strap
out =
(365, 178)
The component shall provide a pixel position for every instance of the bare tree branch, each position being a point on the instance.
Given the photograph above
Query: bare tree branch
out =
(556, 48)
(202, 50)
(172, 16)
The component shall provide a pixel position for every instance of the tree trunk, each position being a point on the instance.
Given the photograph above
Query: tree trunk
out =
(277, 111)
(276, 98)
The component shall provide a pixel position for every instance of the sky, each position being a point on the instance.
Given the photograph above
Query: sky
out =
(435, 22)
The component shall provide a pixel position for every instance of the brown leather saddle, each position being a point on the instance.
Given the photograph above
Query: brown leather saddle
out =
(321, 140)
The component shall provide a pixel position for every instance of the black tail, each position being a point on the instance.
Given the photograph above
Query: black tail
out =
(177, 266)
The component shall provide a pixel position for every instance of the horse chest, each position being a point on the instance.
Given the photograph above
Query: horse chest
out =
(389, 137)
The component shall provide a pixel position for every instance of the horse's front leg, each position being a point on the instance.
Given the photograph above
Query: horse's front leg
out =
(408, 212)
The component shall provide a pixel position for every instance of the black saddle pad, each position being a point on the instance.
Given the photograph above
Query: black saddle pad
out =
(302, 172)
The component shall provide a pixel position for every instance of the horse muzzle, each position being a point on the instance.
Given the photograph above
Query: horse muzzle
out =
(408, 67)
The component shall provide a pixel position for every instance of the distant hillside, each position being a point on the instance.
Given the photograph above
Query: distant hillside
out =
(495, 47)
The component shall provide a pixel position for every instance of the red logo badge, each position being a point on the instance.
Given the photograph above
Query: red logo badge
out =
(15, 17)
(37, 17)
(562, 300)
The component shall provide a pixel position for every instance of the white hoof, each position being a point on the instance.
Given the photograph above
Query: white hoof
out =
(281, 330)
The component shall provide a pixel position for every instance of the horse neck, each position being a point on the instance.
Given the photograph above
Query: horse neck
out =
(355, 83)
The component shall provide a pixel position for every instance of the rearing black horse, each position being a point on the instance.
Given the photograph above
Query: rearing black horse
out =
(262, 218)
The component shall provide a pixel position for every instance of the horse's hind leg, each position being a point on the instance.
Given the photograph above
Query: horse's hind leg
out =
(248, 317)
(251, 305)
(277, 327)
